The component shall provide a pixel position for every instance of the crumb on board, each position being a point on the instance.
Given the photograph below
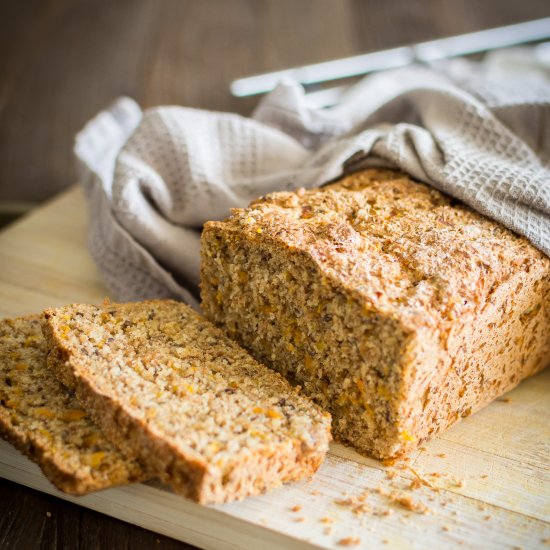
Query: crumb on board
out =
(301, 519)
(446, 528)
(356, 503)
(383, 512)
(328, 530)
(504, 399)
(441, 455)
(420, 479)
(326, 519)
(415, 484)
(296, 508)
(349, 541)
(487, 517)
(408, 503)
(390, 474)
(484, 476)
(422, 449)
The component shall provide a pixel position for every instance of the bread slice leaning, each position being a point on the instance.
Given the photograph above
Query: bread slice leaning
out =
(168, 387)
(42, 419)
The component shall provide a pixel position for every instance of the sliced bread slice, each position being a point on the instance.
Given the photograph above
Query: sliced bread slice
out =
(168, 387)
(43, 420)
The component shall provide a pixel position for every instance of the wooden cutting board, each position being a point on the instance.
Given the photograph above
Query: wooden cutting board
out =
(489, 475)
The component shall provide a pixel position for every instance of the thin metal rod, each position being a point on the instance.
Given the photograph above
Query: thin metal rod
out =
(432, 50)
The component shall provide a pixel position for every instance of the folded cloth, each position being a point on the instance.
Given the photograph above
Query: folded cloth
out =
(153, 178)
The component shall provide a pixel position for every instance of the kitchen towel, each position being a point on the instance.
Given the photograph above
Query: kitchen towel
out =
(477, 131)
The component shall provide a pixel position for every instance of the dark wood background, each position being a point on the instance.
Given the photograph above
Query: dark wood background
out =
(61, 61)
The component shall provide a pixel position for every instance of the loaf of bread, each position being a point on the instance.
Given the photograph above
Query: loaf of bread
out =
(396, 308)
(170, 389)
(43, 420)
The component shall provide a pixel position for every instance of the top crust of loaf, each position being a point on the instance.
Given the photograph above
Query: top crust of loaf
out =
(45, 421)
(403, 248)
(168, 387)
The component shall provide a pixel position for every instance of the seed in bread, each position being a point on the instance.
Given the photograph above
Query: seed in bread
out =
(42, 419)
(396, 308)
(171, 389)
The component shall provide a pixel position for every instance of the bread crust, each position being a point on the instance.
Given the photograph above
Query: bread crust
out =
(435, 283)
(42, 420)
(172, 442)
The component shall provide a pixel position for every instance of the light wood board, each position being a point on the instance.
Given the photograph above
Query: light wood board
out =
(491, 470)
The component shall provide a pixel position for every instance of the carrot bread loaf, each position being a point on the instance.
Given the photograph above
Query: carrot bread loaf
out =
(397, 309)
(43, 420)
(169, 388)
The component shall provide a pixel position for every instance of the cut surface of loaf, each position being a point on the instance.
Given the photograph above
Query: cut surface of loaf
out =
(396, 308)
(170, 388)
(43, 420)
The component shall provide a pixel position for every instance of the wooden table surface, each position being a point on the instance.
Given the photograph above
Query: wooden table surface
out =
(63, 60)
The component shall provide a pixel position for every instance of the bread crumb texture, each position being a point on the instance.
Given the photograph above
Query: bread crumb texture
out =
(45, 421)
(395, 307)
(172, 390)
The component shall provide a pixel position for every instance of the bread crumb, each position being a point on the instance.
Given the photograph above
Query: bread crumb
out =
(487, 518)
(420, 479)
(327, 530)
(388, 462)
(349, 541)
(445, 528)
(504, 399)
(422, 449)
(326, 519)
(408, 503)
(484, 476)
(385, 541)
(415, 484)
(356, 503)
(296, 508)
(390, 474)
(441, 455)
(300, 520)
